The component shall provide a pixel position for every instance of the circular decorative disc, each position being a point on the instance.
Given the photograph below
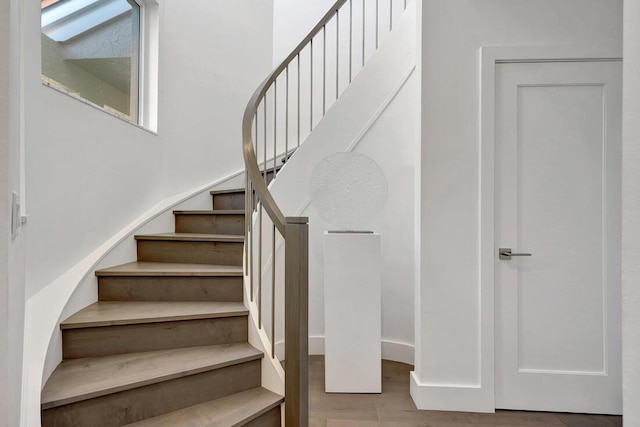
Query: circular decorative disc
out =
(349, 190)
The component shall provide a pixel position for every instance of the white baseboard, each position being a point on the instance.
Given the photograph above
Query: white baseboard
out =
(398, 352)
(441, 397)
(391, 350)
(316, 345)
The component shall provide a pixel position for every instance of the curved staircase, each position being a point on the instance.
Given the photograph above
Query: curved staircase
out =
(166, 343)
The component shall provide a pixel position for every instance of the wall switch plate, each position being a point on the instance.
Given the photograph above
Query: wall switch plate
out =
(15, 215)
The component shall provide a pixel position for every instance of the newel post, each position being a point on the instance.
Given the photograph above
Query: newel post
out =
(296, 322)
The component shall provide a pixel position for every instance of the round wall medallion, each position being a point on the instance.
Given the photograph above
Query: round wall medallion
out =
(349, 190)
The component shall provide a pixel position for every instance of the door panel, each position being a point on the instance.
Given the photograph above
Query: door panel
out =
(558, 197)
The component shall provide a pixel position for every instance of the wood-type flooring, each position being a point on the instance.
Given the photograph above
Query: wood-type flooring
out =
(394, 407)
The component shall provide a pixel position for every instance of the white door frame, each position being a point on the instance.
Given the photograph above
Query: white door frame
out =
(489, 57)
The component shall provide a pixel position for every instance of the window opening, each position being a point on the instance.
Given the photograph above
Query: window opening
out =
(91, 49)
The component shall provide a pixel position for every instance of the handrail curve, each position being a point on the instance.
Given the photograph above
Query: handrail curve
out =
(294, 231)
(250, 159)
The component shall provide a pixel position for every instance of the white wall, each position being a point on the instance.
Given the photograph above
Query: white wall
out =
(5, 217)
(89, 175)
(448, 372)
(631, 217)
(12, 269)
(214, 55)
(91, 172)
(292, 20)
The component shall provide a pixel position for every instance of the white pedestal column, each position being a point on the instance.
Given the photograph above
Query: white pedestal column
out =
(352, 313)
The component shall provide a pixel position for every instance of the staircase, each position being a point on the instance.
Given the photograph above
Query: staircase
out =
(166, 343)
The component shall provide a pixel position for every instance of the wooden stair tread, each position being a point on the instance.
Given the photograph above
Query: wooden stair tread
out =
(111, 313)
(210, 212)
(233, 410)
(228, 191)
(192, 237)
(81, 379)
(141, 268)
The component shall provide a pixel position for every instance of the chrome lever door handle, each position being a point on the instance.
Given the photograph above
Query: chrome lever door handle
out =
(505, 253)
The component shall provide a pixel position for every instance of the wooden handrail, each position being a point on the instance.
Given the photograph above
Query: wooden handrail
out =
(250, 159)
(294, 230)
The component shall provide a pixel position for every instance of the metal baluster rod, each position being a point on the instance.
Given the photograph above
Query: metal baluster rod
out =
(249, 211)
(260, 238)
(324, 70)
(273, 293)
(298, 100)
(337, 51)
(364, 19)
(246, 222)
(252, 240)
(275, 126)
(264, 163)
(259, 269)
(350, 40)
(311, 88)
(377, 14)
(286, 118)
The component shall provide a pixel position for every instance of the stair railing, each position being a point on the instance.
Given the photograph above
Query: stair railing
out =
(283, 110)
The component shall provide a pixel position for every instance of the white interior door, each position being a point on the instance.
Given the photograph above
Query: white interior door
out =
(558, 178)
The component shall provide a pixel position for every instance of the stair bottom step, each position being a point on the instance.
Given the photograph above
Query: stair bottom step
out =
(256, 407)
(117, 409)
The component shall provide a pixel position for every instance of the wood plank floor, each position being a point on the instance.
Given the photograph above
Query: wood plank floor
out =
(394, 407)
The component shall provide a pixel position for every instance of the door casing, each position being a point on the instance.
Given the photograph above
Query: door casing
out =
(489, 57)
